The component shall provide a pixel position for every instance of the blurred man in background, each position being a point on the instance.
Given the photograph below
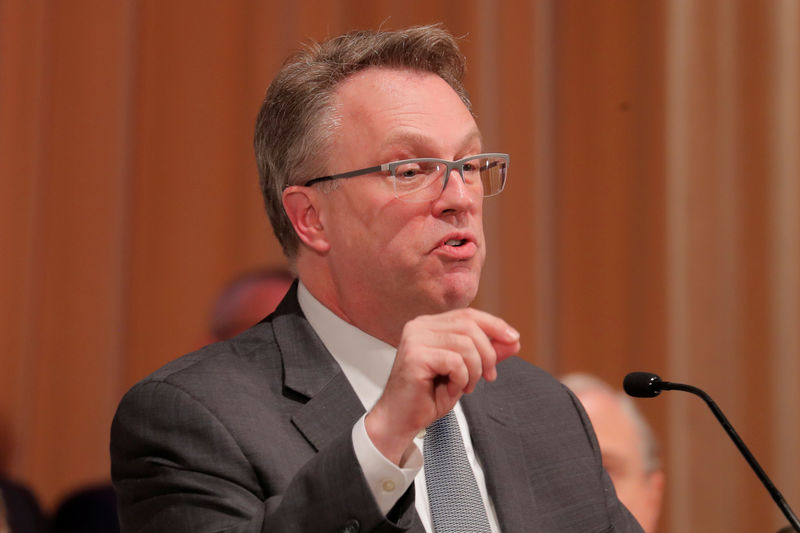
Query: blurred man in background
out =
(87, 510)
(19, 509)
(630, 452)
(247, 299)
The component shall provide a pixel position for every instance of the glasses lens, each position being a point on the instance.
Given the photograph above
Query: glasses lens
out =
(489, 171)
(417, 181)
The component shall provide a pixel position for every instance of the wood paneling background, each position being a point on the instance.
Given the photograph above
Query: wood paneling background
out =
(652, 219)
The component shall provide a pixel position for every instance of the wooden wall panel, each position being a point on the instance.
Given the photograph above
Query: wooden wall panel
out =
(720, 169)
(784, 247)
(77, 219)
(21, 70)
(195, 192)
(609, 196)
(651, 220)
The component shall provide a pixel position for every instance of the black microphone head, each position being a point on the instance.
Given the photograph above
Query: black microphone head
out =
(642, 385)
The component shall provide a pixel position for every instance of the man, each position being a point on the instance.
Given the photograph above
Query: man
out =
(247, 299)
(315, 420)
(19, 509)
(630, 452)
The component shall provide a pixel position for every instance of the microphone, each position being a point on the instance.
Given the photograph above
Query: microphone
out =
(647, 385)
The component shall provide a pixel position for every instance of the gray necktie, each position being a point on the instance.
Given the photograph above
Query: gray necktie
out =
(456, 505)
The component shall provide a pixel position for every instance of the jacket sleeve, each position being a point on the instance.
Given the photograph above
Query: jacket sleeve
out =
(177, 469)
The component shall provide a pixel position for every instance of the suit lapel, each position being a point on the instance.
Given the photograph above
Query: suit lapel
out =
(330, 412)
(311, 373)
(313, 376)
(498, 446)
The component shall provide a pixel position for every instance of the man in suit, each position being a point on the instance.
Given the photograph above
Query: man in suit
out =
(374, 176)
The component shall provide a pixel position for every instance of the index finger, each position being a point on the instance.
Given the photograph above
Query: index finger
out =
(503, 338)
(497, 329)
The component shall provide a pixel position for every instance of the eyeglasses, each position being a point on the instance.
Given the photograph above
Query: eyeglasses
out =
(424, 179)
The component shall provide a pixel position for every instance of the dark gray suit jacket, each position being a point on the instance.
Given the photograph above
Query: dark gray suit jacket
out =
(253, 435)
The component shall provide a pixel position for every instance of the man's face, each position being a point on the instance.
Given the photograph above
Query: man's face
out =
(388, 258)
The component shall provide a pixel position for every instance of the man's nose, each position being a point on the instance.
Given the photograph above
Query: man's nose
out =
(456, 194)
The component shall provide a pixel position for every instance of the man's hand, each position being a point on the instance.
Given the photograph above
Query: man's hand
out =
(439, 359)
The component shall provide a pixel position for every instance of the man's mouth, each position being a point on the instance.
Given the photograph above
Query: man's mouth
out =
(459, 246)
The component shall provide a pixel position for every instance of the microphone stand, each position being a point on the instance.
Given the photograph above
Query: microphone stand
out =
(773, 491)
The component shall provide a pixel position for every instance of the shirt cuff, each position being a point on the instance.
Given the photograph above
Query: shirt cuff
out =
(386, 480)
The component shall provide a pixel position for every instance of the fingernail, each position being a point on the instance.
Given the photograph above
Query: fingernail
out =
(513, 335)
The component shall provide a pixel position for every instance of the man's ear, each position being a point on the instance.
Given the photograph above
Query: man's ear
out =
(302, 206)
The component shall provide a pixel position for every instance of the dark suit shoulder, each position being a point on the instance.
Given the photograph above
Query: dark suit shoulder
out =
(556, 450)
(253, 354)
(247, 432)
(515, 376)
(256, 346)
(520, 368)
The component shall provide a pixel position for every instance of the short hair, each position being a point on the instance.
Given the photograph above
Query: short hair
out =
(579, 383)
(297, 117)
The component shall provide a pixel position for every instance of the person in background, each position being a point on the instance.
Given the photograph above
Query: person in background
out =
(373, 398)
(19, 509)
(247, 299)
(90, 509)
(630, 451)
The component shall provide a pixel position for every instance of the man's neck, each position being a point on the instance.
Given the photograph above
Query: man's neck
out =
(368, 318)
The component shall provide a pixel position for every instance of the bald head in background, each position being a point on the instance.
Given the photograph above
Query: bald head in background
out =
(247, 299)
(630, 452)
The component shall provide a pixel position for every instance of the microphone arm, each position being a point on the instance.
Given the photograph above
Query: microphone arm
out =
(647, 385)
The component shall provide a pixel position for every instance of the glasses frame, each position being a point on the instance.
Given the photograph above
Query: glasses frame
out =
(392, 166)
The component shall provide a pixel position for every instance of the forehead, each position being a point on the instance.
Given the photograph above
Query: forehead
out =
(380, 107)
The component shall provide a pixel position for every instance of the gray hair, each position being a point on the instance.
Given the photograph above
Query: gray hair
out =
(580, 383)
(298, 118)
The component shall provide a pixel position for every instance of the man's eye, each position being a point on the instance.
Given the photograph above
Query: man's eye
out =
(408, 171)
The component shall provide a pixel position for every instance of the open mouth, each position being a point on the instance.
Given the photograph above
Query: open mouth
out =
(455, 242)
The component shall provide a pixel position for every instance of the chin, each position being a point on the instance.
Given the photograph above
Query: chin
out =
(458, 292)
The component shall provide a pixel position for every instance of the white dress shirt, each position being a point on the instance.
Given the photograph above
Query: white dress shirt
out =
(367, 362)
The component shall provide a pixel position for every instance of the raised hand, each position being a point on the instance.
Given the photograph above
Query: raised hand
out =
(439, 359)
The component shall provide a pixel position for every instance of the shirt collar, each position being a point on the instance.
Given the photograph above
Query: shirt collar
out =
(365, 360)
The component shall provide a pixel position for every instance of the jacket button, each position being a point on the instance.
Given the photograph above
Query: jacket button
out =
(352, 526)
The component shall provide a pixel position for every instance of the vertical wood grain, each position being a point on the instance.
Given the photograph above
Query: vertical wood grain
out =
(77, 244)
(721, 177)
(783, 141)
(22, 69)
